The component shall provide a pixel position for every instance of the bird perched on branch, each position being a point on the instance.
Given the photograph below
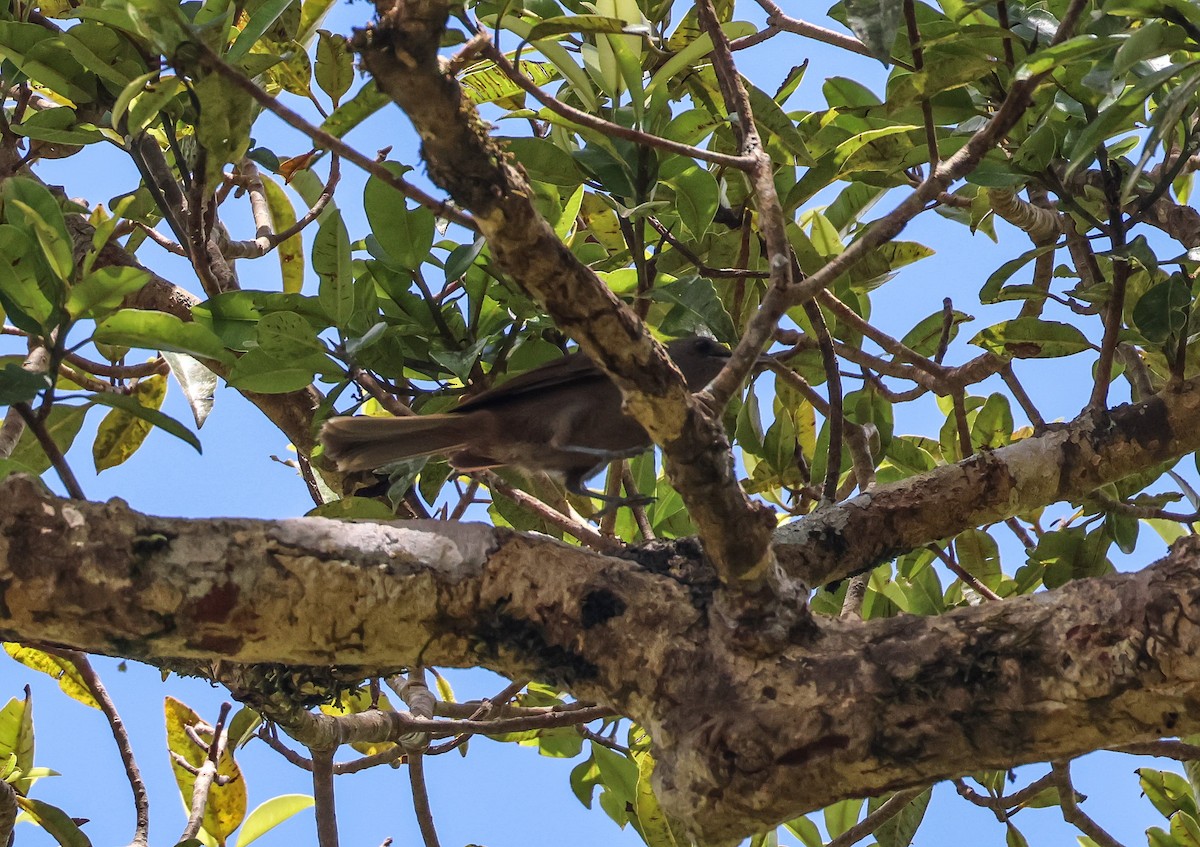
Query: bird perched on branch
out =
(564, 417)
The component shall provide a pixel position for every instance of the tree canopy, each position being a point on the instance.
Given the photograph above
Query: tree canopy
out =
(801, 604)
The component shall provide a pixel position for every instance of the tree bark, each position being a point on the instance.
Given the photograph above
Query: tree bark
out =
(744, 738)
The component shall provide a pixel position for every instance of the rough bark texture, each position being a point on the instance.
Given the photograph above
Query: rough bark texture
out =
(400, 52)
(1064, 463)
(744, 738)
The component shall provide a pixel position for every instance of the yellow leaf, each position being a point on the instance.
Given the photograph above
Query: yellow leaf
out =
(120, 434)
(291, 251)
(226, 806)
(62, 670)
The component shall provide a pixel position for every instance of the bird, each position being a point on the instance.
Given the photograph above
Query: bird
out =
(563, 417)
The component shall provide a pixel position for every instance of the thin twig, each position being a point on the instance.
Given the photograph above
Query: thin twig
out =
(416, 773)
(833, 380)
(1071, 812)
(608, 128)
(57, 460)
(141, 799)
(582, 531)
(330, 142)
(777, 18)
(324, 805)
(486, 707)
(772, 223)
(206, 775)
(961, 425)
(914, 43)
(962, 573)
(1005, 802)
(886, 811)
(636, 506)
(1022, 398)
(602, 740)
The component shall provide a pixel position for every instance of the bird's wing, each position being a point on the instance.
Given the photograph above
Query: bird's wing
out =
(573, 368)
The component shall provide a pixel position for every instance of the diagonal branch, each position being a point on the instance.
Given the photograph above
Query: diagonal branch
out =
(400, 52)
(1064, 463)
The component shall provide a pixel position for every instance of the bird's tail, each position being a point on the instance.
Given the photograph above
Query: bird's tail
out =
(365, 443)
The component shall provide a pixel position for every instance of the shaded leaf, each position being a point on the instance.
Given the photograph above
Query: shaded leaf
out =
(1032, 338)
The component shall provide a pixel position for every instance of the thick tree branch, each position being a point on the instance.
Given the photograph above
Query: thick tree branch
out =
(1064, 463)
(847, 709)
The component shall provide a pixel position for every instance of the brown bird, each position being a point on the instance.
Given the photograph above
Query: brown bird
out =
(564, 417)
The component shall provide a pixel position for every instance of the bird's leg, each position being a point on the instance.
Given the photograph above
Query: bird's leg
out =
(612, 503)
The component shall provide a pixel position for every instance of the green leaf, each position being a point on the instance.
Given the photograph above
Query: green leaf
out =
(806, 831)
(875, 22)
(224, 131)
(486, 83)
(18, 385)
(162, 23)
(1185, 830)
(697, 307)
(563, 24)
(993, 425)
(335, 65)
(16, 735)
(258, 371)
(331, 261)
(544, 161)
(842, 815)
(1032, 338)
(104, 289)
(696, 197)
(284, 334)
(1119, 115)
(30, 205)
(57, 126)
(979, 555)
(925, 337)
(771, 118)
(55, 821)
(164, 422)
(353, 508)
(122, 433)
(1168, 792)
(261, 21)
(161, 331)
(1162, 312)
(655, 827)
(46, 57)
(62, 426)
(271, 814)
(991, 289)
(29, 299)
(291, 251)
(367, 101)
(1049, 58)
(406, 234)
(900, 829)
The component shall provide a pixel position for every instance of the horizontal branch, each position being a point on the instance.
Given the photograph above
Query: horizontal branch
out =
(743, 738)
(1063, 463)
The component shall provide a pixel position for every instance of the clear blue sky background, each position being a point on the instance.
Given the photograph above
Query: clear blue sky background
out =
(500, 795)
